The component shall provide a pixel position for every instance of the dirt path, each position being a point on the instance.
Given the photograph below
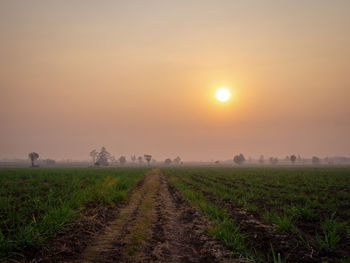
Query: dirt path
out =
(156, 226)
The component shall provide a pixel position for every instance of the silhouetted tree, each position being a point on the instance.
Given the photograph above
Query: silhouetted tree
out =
(177, 160)
(315, 160)
(293, 158)
(140, 159)
(239, 159)
(33, 156)
(93, 155)
(261, 159)
(133, 158)
(148, 158)
(103, 157)
(167, 161)
(122, 160)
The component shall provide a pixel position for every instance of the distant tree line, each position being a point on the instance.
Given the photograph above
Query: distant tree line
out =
(176, 161)
(33, 157)
(104, 158)
(292, 159)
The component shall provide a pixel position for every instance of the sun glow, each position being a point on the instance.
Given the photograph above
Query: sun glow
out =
(223, 94)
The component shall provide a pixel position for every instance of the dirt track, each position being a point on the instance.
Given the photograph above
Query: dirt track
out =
(155, 226)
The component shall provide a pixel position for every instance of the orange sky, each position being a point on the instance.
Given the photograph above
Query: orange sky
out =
(140, 77)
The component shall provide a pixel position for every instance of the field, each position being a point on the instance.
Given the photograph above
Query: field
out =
(37, 203)
(175, 214)
(300, 213)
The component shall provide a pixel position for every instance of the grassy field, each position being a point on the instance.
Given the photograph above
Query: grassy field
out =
(267, 212)
(263, 214)
(36, 203)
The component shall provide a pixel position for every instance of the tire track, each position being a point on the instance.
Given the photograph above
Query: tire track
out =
(179, 232)
(110, 246)
(157, 225)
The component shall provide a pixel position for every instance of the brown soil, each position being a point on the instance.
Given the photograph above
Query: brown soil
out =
(261, 236)
(156, 225)
(71, 241)
(179, 232)
(308, 229)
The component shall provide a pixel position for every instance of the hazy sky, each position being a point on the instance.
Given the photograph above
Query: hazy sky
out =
(140, 77)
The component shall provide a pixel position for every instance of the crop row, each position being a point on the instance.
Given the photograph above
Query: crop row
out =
(306, 208)
(36, 203)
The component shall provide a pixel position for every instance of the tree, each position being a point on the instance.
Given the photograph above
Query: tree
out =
(133, 158)
(167, 161)
(122, 160)
(33, 156)
(239, 159)
(140, 159)
(261, 159)
(93, 155)
(177, 160)
(315, 160)
(148, 158)
(293, 158)
(103, 157)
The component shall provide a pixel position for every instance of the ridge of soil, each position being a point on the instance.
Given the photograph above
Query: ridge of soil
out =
(179, 232)
(111, 245)
(308, 229)
(261, 236)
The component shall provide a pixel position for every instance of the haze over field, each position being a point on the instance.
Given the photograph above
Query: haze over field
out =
(140, 77)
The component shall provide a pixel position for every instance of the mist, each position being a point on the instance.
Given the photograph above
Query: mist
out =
(140, 78)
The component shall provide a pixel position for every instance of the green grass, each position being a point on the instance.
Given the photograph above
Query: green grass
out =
(36, 203)
(222, 227)
(333, 232)
(229, 233)
(297, 200)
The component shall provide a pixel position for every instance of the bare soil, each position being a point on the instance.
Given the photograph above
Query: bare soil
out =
(71, 241)
(156, 225)
(261, 236)
(179, 232)
(296, 249)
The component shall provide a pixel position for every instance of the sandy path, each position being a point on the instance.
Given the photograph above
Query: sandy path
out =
(157, 225)
(179, 231)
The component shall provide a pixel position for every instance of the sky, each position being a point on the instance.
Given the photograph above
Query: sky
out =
(140, 77)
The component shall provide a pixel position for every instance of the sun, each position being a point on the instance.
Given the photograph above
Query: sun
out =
(223, 94)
